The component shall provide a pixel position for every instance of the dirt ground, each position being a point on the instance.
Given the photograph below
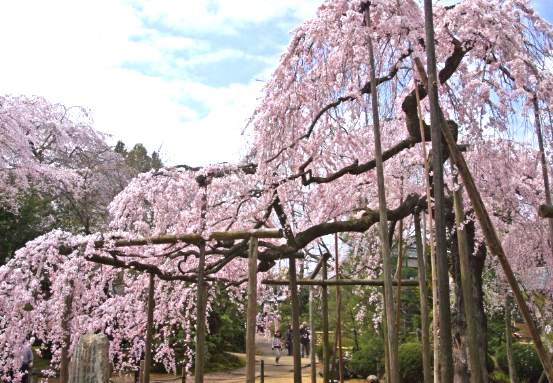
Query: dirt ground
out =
(283, 373)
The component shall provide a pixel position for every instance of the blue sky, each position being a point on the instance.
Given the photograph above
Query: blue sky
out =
(181, 75)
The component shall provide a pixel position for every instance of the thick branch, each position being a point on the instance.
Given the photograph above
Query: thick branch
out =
(359, 225)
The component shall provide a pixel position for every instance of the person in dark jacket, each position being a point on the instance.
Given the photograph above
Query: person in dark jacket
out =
(290, 340)
(304, 339)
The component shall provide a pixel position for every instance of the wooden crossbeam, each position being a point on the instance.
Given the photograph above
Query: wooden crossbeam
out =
(195, 238)
(339, 282)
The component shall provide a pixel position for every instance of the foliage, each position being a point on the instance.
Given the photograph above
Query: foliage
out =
(364, 362)
(320, 352)
(35, 216)
(410, 363)
(137, 159)
(527, 363)
(226, 334)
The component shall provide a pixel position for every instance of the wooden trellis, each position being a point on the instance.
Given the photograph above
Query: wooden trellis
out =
(196, 239)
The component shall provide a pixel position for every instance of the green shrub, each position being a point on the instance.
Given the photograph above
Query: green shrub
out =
(527, 363)
(410, 363)
(320, 352)
(364, 362)
(490, 364)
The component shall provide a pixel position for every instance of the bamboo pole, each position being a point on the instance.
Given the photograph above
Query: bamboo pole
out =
(388, 293)
(340, 282)
(477, 369)
(338, 311)
(295, 321)
(492, 239)
(149, 330)
(252, 311)
(324, 301)
(423, 291)
(434, 274)
(446, 341)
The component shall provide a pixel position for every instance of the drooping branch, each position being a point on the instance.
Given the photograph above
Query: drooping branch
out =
(366, 89)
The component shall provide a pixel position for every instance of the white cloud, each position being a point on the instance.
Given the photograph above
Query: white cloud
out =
(72, 51)
(222, 15)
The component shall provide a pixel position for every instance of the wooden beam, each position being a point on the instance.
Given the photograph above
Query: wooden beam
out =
(340, 282)
(545, 211)
(194, 238)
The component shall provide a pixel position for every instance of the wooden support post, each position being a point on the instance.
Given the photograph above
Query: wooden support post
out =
(295, 321)
(432, 247)
(141, 371)
(509, 339)
(149, 330)
(385, 338)
(64, 362)
(312, 340)
(200, 319)
(492, 239)
(446, 341)
(183, 377)
(324, 302)
(262, 372)
(477, 369)
(338, 311)
(252, 311)
(398, 274)
(423, 293)
(392, 338)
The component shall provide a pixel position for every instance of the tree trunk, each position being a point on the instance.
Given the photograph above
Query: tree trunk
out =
(477, 257)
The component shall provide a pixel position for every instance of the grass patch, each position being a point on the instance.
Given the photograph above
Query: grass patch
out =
(224, 362)
(38, 362)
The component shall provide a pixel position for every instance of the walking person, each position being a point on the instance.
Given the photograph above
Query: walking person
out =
(277, 346)
(28, 358)
(138, 352)
(290, 340)
(304, 340)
